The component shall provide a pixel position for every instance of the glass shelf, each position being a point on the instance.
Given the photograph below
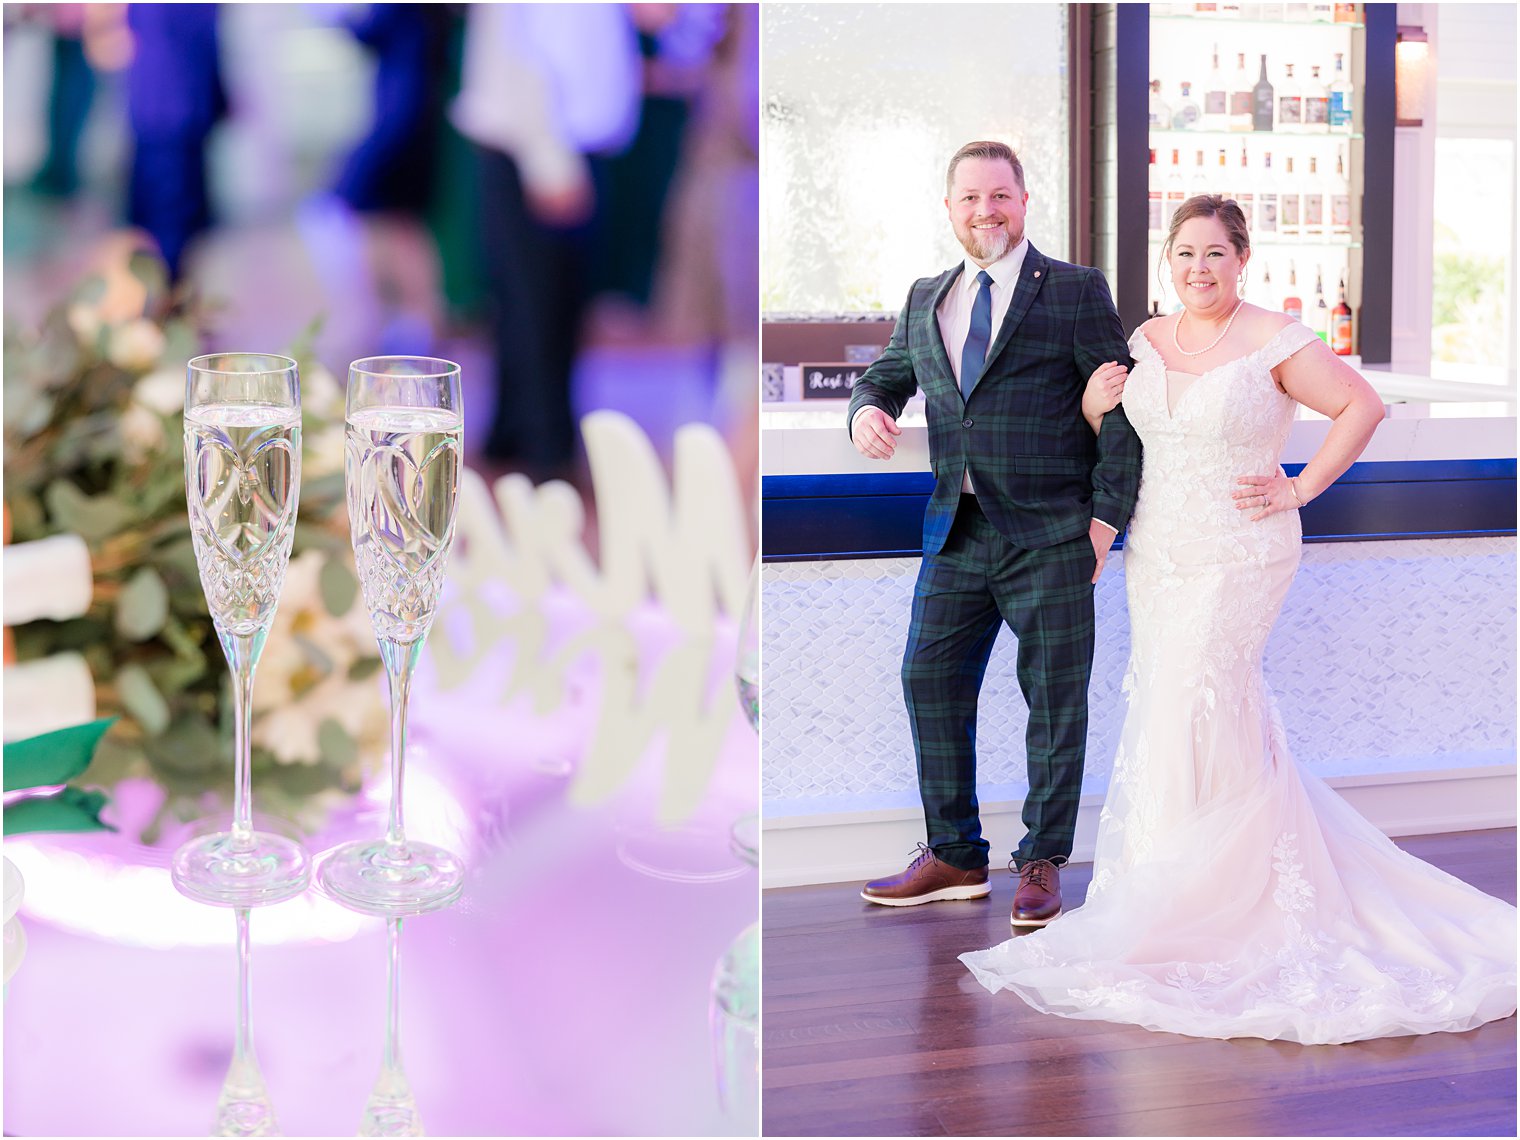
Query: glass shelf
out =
(1287, 136)
(1236, 22)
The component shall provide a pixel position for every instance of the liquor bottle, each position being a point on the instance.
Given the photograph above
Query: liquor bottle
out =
(1316, 103)
(1266, 199)
(1289, 203)
(1346, 14)
(1185, 112)
(1272, 13)
(1290, 104)
(1321, 12)
(1222, 177)
(1155, 197)
(1175, 195)
(1230, 9)
(1340, 96)
(1319, 315)
(1339, 199)
(1205, 9)
(1216, 99)
(1340, 325)
(1292, 304)
(1314, 202)
(1295, 12)
(1244, 196)
(1160, 110)
(1240, 95)
(1266, 294)
(1199, 183)
(1263, 104)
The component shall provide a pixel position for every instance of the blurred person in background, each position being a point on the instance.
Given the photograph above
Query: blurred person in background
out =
(369, 244)
(707, 289)
(174, 98)
(548, 94)
(70, 93)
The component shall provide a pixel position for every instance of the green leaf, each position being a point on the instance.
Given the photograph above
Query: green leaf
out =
(53, 757)
(180, 340)
(339, 587)
(140, 697)
(337, 746)
(90, 290)
(364, 668)
(91, 518)
(150, 270)
(191, 748)
(143, 606)
(322, 489)
(72, 809)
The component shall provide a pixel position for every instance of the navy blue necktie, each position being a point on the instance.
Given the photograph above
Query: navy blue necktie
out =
(974, 355)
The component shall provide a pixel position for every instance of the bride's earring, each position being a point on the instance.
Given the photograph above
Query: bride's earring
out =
(1240, 287)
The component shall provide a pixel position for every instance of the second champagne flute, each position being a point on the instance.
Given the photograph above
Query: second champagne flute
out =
(402, 463)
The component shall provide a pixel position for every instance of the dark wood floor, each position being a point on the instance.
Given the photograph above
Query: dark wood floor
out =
(871, 1027)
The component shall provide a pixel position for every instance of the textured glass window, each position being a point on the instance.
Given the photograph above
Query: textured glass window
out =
(864, 105)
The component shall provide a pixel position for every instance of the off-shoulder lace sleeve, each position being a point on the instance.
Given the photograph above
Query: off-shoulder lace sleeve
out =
(1139, 345)
(1289, 339)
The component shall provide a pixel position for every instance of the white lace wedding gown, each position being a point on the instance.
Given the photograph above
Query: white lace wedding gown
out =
(1234, 894)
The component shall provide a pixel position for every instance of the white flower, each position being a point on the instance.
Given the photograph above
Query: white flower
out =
(293, 694)
(85, 320)
(321, 394)
(162, 390)
(323, 452)
(142, 432)
(135, 345)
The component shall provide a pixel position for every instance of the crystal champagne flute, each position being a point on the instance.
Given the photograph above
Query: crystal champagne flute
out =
(242, 484)
(402, 463)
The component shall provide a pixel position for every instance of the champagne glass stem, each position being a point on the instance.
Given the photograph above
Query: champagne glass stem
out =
(400, 663)
(243, 655)
(393, 999)
(242, 1048)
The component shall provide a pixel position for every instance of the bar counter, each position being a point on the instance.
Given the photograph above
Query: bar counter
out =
(1393, 662)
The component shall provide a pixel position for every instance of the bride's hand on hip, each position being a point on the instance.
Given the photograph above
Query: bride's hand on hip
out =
(1266, 495)
(1104, 389)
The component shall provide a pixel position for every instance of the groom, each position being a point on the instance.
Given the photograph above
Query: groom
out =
(1025, 507)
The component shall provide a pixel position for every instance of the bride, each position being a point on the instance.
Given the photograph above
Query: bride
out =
(1234, 894)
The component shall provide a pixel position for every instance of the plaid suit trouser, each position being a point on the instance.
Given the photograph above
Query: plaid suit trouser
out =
(964, 593)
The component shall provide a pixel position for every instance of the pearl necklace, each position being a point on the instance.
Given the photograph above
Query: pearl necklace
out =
(1213, 342)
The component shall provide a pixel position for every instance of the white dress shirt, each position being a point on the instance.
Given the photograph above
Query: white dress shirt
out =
(954, 315)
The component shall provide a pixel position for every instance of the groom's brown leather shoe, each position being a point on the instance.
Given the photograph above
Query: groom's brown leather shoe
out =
(1038, 899)
(928, 879)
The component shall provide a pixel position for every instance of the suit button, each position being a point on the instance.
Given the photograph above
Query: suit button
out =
(966, 423)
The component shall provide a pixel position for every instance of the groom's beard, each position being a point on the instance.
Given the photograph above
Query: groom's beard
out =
(986, 245)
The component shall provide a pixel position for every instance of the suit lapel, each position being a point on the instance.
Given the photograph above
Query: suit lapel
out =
(940, 356)
(1031, 278)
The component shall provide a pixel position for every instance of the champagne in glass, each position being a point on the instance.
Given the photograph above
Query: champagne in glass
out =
(402, 463)
(242, 483)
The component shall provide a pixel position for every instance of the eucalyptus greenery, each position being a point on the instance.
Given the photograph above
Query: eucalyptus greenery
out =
(84, 455)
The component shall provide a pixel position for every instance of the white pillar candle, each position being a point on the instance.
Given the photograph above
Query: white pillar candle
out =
(53, 693)
(49, 578)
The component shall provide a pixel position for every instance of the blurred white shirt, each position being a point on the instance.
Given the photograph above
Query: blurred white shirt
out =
(548, 84)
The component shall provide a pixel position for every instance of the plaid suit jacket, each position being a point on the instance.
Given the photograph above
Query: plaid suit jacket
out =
(1039, 473)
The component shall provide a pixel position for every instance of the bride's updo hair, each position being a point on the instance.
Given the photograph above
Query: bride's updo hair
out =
(1210, 206)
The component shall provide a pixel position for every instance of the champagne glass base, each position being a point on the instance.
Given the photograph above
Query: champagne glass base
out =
(373, 878)
(224, 869)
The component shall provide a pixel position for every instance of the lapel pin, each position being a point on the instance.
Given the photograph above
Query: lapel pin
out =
(1036, 272)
